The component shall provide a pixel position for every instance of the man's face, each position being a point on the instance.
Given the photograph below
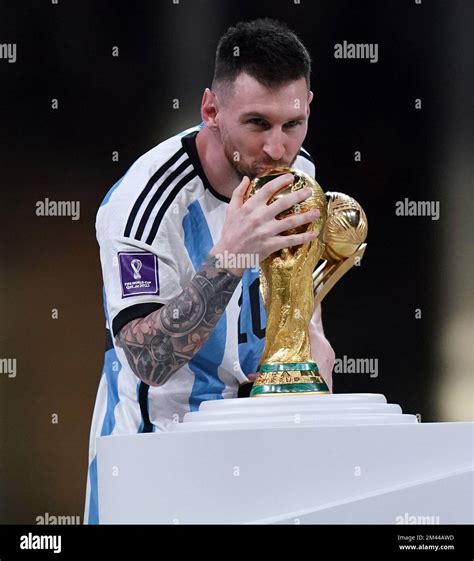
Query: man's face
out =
(262, 128)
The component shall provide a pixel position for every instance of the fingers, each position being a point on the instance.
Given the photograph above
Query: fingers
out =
(236, 200)
(270, 188)
(294, 221)
(294, 239)
(287, 201)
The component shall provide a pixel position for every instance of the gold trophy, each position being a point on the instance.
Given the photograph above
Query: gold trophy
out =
(292, 287)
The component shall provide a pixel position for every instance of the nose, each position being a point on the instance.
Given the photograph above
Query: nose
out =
(274, 146)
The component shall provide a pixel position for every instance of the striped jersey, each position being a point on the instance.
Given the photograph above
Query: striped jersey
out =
(155, 227)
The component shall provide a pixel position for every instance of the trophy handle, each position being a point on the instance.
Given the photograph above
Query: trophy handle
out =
(330, 272)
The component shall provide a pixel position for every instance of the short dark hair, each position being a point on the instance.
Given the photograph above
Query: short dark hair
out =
(266, 49)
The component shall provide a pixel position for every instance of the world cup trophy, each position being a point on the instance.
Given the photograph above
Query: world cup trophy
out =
(291, 286)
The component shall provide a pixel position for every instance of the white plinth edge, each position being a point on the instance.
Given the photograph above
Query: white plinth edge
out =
(294, 411)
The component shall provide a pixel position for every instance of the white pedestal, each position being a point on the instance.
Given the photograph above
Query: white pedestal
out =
(348, 458)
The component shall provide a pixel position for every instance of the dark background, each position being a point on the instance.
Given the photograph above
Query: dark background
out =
(125, 104)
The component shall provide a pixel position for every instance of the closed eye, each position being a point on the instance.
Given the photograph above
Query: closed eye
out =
(257, 122)
(292, 124)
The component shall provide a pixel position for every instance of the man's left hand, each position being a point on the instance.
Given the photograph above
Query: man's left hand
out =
(321, 351)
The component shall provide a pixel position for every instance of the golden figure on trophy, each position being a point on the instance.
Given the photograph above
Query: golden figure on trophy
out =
(292, 286)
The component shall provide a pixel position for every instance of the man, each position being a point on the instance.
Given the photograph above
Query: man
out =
(182, 327)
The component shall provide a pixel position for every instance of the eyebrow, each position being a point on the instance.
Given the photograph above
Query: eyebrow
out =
(256, 114)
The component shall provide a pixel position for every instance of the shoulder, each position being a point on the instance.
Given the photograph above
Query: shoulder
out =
(139, 200)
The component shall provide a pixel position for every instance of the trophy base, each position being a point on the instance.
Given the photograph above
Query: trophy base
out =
(289, 378)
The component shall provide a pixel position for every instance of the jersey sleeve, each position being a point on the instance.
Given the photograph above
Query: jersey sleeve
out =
(139, 278)
(305, 162)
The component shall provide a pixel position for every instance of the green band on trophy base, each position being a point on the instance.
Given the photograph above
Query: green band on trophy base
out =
(288, 378)
(277, 389)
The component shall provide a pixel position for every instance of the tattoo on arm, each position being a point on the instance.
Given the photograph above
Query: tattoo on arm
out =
(158, 345)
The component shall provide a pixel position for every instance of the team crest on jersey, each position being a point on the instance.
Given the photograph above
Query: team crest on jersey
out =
(138, 273)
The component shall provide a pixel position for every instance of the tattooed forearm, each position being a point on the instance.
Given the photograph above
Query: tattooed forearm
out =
(159, 344)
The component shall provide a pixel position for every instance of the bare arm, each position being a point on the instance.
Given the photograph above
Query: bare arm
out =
(321, 350)
(159, 344)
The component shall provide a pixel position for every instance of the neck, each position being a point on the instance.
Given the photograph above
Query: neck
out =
(221, 175)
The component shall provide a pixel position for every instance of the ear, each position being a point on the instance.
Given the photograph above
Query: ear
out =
(209, 109)
(310, 99)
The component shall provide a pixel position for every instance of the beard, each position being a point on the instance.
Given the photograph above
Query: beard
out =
(250, 169)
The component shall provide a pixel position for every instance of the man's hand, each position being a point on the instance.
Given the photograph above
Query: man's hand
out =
(251, 228)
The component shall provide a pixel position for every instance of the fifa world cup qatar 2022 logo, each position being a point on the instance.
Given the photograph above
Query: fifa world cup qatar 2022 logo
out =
(138, 273)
